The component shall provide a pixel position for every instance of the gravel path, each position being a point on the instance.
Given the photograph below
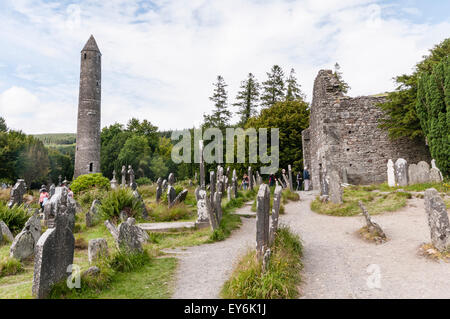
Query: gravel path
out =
(336, 261)
(203, 269)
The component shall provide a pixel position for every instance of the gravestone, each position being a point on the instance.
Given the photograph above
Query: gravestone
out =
(17, 192)
(164, 185)
(401, 172)
(250, 179)
(217, 208)
(6, 232)
(423, 172)
(171, 195)
(97, 248)
(23, 245)
(335, 188)
(124, 176)
(112, 229)
(390, 173)
(202, 209)
(202, 166)
(437, 220)
(344, 176)
(171, 179)
(158, 189)
(291, 186)
(55, 248)
(435, 175)
(51, 191)
(212, 185)
(180, 198)
(234, 186)
(128, 236)
(262, 220)
(93, 215)
(113, 182)
(229, 193)
(275, 213)
(413, 174)
(197, 190)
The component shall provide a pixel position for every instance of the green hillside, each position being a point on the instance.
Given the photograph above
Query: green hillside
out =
(57, 138)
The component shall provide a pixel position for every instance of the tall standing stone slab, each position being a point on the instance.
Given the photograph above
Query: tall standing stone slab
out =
(250, 179)
(401, 172)
(171, 195)
(6, 232)
(437, 220)
(158, 189)
(390, 173)
(54, 249)
(262, 220)
(51, 190)
(423, 172)
(413, 174)
(291, 186)
(202, 166)
(335, 188)
(275, 213)
(202, 209)
(17, 192)
(234, 185)
(171, 179)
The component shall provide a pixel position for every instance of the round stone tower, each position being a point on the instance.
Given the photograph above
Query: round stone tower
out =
(87, 154)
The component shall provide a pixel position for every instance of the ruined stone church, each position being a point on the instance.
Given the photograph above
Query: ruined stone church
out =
(344, 135)
(87, 153)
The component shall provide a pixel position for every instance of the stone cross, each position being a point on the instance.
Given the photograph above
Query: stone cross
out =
(262, 220)
(55, 248)
(390, 173)
(275, 213)
(437, 220)
(113, 182)
(401, 172)
(124, 176)
(250, 179)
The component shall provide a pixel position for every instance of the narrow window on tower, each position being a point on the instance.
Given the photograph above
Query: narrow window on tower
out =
(85, 56)
(91, 167)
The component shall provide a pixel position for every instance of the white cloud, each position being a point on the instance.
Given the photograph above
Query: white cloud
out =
(160, 64)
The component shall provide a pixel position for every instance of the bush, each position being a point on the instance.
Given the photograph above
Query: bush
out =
(85, 198)
(88, 181)
(143, 181)
(15, 217)
(121, 199)
(10, 266)
(282, 277)
(123, 261)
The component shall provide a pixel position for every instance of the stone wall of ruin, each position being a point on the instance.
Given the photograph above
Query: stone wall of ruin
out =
(344, 134)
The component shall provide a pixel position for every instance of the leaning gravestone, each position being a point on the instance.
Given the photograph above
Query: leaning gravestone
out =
(17, 192)
(141, 201)
(275, 213)
(180, 198)
(401, 172)
(158, 189)
(372, 227)
(390, 173)
(262, 220)
(128, 238)
(97, 248)
(112, 229)
(437, 220)
(55, 248)
(335, 188)
(171, 195)
(6, 232)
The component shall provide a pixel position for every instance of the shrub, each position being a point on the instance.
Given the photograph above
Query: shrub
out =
(118, 200)
(282, 277)
(85, 198)
(124, 261)
(10, 266)
(161, 213)
(88, 181)
(15, 217)
(143, 181)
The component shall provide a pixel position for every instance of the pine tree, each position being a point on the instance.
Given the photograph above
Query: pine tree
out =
(293, 92)
(273, 88)
(343, 86)
(247, 98)
(220, 116)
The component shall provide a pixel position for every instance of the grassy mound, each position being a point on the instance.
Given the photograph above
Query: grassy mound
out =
(280, 281)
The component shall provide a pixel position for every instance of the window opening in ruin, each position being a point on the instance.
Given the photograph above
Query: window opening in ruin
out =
(349, 132)
(91, 167)
(85, 56)
(348, 149)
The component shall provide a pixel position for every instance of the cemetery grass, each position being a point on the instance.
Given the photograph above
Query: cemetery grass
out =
(375, 202)
(282, 277)
(384, 187)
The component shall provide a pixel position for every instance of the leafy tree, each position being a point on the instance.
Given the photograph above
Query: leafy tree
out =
(273, 88)
(3, 127)
(146, 129)
(401, 118)
(220, 116)
(433, 110)
(113, 138)
(293, 91)
(60, 164)
(291, 117)
(136, 152)
(247, 99)
(343, 86)
(33, 163)
(158, 167)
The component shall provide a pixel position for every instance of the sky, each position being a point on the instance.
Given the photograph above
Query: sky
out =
(160, 58)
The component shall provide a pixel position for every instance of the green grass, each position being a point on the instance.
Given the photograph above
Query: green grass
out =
(15, 218)
(281, 279)
(10, 266)
(286, 196)
(384, 187)
(161, 213)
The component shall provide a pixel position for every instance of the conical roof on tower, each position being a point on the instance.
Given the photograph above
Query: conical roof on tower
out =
(91, 45)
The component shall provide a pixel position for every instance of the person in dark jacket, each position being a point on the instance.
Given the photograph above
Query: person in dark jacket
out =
(306, 178)
(299, 181)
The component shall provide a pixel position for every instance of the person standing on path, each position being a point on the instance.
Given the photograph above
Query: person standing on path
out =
(306, 178)
(299, 181)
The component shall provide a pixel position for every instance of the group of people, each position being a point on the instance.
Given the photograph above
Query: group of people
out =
(44, 195)
(301, 177)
